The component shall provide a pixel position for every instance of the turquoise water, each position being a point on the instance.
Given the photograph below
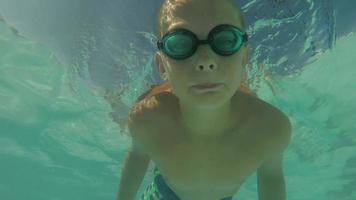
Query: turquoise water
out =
(58, 140)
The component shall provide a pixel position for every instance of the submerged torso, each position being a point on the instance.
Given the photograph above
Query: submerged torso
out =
(207, 168)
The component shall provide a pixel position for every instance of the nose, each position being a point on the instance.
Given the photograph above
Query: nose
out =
(205, 59)
(206, 67)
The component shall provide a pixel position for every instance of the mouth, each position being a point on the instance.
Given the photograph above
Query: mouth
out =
(207, 87)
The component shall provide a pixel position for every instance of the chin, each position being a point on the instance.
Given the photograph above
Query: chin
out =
(205, 106)
(208, 101)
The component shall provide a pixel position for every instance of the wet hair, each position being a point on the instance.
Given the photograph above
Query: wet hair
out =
(168, 8)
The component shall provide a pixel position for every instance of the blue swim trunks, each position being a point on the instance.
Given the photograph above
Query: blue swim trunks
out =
(159, 190)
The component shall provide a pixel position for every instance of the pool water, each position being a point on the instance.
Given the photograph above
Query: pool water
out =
(58, 139)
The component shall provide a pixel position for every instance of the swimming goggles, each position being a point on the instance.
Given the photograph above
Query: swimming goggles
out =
(181, 43)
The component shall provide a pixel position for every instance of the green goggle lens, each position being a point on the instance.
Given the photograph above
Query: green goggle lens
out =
(179, 44)
(224, 39)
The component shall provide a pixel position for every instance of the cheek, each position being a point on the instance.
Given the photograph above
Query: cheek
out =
(234, 75)
(178, 79)
(180, 73)
(234, 78)
(233, 66)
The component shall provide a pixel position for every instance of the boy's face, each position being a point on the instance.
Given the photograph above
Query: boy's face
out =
(205, 65)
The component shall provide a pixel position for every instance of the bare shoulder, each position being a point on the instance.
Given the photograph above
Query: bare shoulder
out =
(153, 112)
(140, 119)
(275, 125)
(157, 105)
(277, 120)
(265, 112)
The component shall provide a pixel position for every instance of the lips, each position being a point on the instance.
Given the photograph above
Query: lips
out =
(207, 85)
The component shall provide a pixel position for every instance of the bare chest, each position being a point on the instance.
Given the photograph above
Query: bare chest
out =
(211, 168)
(205, 169)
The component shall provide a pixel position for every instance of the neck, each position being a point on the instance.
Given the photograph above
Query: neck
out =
(199, 122)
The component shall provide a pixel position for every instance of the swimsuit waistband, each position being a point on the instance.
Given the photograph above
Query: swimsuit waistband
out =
(165, 190)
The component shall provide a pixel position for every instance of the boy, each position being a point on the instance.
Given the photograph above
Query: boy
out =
(204, 135)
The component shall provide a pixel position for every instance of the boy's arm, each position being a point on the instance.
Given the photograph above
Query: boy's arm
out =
(270, 177)
(271, 185)
(135, 165)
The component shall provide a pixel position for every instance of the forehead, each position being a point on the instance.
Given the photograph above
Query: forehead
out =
(201, 18)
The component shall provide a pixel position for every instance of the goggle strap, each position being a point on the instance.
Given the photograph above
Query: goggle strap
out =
(160, 44)
(245, 37)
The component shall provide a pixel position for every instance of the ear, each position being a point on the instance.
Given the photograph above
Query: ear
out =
(246, 54)
(244, 62)
(160, 66)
